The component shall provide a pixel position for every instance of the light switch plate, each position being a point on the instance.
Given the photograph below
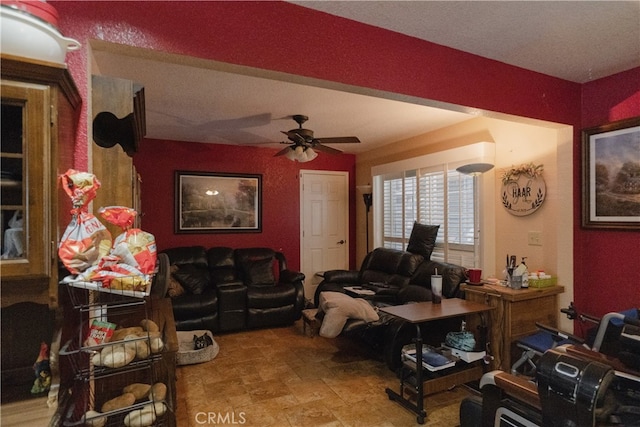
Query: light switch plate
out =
(535, 238)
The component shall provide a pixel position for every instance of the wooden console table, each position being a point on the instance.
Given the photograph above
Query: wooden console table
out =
(515, 316)
(421, 313)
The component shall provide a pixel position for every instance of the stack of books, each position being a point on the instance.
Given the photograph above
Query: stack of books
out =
(467, 356)
(432, 360)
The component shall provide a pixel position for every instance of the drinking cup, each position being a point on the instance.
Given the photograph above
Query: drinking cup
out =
(516, 282)
(474, 275)
(436, 288)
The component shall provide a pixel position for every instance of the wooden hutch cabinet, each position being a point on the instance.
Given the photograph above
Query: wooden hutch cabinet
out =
(39, 120)
(39, 102)
(515, 316)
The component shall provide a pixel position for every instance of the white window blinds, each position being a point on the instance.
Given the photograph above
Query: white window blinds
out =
(433, 195)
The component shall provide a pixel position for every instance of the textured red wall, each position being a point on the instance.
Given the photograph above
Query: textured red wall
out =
(336, 49)
(607, 277)
(158, 160)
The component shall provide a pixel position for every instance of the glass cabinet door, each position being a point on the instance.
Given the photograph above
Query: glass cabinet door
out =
(24, 167)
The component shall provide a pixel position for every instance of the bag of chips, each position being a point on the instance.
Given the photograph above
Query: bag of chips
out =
(112, 273)
(86, 240)
(100, 332)
(134, 247)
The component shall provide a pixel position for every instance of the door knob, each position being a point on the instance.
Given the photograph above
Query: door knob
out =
(341, 242)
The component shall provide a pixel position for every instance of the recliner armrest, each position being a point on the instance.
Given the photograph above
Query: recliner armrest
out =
(290, 276)
(342, 276)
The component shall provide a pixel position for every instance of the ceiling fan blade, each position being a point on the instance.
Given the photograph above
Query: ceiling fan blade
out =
(282, 152)
(338, 140)
(325, 149)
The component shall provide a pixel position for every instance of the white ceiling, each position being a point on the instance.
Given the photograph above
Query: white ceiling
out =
(195, 100)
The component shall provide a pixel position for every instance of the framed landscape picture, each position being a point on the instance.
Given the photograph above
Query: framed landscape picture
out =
(611, 175)
(209, 202)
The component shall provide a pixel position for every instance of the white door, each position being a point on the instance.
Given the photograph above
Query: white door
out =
(324, 225)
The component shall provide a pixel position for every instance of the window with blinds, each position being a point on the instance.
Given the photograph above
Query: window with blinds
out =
(434, 195)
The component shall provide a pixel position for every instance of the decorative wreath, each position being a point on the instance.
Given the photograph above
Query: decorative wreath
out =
(525, 169)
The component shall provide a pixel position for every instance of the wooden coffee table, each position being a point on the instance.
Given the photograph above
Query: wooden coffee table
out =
(422, 313)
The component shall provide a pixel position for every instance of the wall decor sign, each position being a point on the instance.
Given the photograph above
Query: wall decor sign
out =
(523, 189)
(207, 202)
(611, 175)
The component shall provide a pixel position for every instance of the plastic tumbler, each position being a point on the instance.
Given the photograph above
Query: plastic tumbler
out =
(436, 288)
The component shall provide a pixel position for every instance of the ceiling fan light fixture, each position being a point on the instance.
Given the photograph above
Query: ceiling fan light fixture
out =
(302, 141)
(311, 154)
(301, 154)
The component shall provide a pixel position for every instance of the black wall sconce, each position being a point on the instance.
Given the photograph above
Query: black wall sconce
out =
(367, 196)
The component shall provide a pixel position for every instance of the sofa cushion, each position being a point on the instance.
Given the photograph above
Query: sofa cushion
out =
(423, 239)
(187, 255)
(192, 277)
(221, 265)
(338, 307)
(384, 260)
(409, 263)
(256, 265)
(259, 273)
(189, 306)
(452, 276)
(175, 289)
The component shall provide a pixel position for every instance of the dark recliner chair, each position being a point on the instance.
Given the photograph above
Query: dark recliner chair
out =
(407, 277)
(270, 302)
(391, 267)
(234, 289)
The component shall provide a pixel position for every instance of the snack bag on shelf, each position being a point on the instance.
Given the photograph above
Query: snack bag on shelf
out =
(112, 273)
(100, 332)
(86, 240)
(134, 247)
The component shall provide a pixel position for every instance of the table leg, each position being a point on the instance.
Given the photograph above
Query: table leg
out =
(418, 408)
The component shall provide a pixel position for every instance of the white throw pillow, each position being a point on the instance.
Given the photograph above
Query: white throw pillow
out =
(338, 308)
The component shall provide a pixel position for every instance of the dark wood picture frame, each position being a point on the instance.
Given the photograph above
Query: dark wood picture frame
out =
(611, 175)
(211, 202)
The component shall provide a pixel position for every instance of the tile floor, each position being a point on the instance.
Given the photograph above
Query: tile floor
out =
(280, 377)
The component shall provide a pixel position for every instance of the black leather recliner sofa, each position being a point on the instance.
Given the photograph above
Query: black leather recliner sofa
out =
(406, 277)
(233, 289)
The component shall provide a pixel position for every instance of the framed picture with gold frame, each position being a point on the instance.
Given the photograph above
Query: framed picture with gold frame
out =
(611, 175)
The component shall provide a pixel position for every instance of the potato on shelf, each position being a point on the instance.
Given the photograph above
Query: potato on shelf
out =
(114, 356)
(139, 390)
(149, 325)
(145, 416)
(122, 401)
(158, 392)
(93, 419)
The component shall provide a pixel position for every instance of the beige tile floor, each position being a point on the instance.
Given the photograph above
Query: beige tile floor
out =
(279, 377)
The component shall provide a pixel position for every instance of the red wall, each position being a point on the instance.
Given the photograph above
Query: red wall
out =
(606, 276)
(258, 34)
(158, 160)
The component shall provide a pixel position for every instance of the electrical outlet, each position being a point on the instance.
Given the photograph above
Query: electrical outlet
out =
(535, 238)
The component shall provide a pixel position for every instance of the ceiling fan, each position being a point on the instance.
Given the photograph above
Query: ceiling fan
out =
(302, 143)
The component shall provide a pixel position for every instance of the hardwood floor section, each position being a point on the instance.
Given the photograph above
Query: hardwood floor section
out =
(26, 413)
(279, 377)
